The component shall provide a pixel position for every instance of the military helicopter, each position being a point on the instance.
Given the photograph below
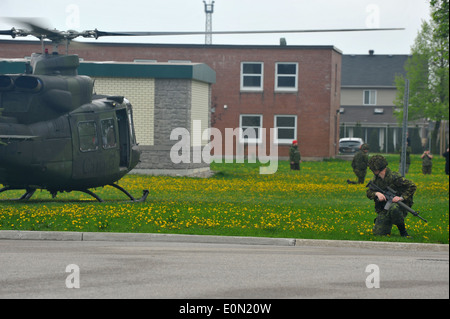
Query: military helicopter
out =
(56, 134)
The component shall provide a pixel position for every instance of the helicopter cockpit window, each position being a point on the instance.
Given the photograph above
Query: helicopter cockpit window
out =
(108, 134)
(87, 133)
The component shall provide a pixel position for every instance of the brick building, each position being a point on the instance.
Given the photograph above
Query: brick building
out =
(293, 89)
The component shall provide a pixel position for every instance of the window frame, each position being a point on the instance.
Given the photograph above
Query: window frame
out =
(258, 139)
(259, 88)
(105, 141)
(372, 95)
(295, 76)
(284, 140)
(84, 136)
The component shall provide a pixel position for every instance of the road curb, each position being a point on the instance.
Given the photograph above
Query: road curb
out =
(144, 237)
(372, 244)
(40, 235)
(141, 237)
(188, 238)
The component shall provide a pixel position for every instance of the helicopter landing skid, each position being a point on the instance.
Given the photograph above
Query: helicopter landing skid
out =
(87, 191)
(133, 200)
(145, 193)
(30, 192)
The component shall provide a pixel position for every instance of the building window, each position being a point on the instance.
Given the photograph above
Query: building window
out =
(250, 129)
(87, 134)
(252, 76)
(286, 76)
(370, 97)
(285, 129)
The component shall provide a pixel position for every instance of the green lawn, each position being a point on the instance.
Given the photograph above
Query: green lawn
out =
(315, 203)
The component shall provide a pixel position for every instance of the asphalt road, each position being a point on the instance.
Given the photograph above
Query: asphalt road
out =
(121, 269)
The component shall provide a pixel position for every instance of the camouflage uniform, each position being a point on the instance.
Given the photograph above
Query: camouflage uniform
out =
(294, 156)
(427, 164)
(395, 215)
(359, 164)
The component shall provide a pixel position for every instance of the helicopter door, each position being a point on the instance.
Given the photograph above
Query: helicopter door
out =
(124, 137)
(86, 146)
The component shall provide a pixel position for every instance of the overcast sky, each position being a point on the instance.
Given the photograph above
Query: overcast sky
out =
(189, 15)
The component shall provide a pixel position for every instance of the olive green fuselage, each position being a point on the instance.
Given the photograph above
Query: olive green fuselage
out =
(55, 135)
(75, 151)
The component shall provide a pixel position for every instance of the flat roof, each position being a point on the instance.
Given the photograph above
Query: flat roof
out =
(195, 71)
(187, 45)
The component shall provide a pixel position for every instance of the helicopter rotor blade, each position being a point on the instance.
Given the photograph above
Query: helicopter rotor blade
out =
(96, 33)
(38, 29)
(35, 28)
(11, 32)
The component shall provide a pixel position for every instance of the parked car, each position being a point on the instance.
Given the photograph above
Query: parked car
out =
(350, 145)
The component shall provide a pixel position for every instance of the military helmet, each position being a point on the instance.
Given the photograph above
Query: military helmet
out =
(377, 163)
(365, 147)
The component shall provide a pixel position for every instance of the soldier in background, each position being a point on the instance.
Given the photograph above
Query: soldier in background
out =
(395, 215)
(294, 156)
(427, 164)
(359, 164)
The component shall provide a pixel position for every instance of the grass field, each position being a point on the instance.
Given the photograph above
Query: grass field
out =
(315, 203)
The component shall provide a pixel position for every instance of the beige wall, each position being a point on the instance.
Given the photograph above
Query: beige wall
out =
(385, 97)
(199, 111)
(141, 94)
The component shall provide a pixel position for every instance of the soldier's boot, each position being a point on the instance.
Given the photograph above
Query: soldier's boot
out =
(402, 229)
(350, 182)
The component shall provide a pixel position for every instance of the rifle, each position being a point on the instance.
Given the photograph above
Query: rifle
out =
(389, 193)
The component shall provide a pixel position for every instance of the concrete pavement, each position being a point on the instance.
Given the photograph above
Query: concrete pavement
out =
(186, 270)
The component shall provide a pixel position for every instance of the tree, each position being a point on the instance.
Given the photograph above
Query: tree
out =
(440, 15)
(427, 71)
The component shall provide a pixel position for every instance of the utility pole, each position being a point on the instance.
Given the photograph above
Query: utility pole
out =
(405, 129)
(209, 10)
